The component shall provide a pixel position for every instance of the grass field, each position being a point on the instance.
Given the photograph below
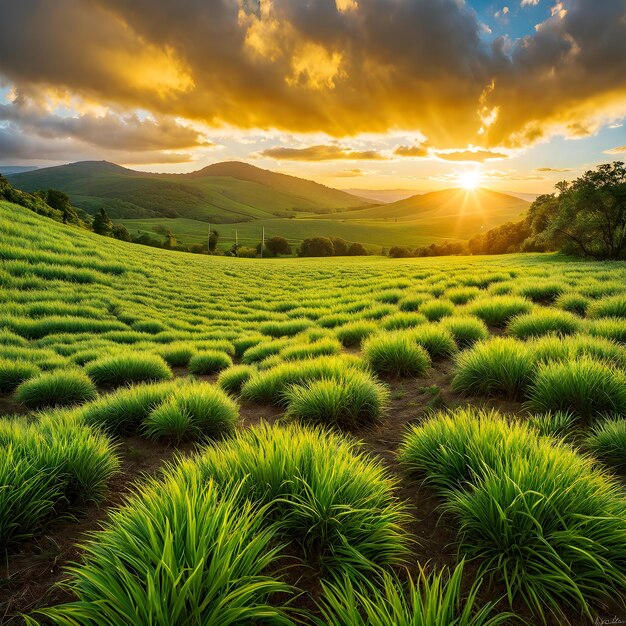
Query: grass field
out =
(330, 442)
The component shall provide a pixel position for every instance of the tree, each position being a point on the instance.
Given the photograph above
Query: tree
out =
(61, 202)
(102, 224)
(357, 249)
(399, 252)
(317, 246)
(340, 246)
(213, 239)
(121, 232)
(170, 239)
(278, 246)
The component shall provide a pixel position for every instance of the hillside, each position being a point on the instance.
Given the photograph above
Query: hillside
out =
(224, 192)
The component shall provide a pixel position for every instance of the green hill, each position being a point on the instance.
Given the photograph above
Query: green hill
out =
(224, 192)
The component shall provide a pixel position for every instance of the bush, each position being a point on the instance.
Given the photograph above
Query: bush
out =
(498, 310)
(435, 599)
(587, 387)
(435, 339)
(435, 310)
(232, 379)
(352, 334)
(613, 307)
(544, 322)
(58, 388)
(466, 330)
(396, 354)
(192, 412)
(542, 518)
(13, 373)
(334, 503)
(495, 367)
(209, 362)
(127, 367)
(351, 400)
(608, 440)
(178, 553)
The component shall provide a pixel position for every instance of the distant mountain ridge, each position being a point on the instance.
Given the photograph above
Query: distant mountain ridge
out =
(224, 192)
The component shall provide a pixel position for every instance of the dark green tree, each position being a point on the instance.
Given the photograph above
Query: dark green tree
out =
(277, 246)
(317, 246)
(356, 249)
(102, 224)
(120, 232)
(340, 246)
(60, 201)
(214, 238)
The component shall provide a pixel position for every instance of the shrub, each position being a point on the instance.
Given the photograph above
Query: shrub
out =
(13, 373)
(334, 503)
(269, 385)
(542, 518)
(573, 302)
(434, 310)
(585, 386)
(178, 553)
(127, 367)
(192, 412)
(434, 599)
(58, 388)
(352, 334)
(613, 307)
(544, 322)
(466, 330)
(435, 339)
(396, 354)
(351, 400)
(608, 440)
(209, 362)
(498, 310)
(232, 379)
(497, 366)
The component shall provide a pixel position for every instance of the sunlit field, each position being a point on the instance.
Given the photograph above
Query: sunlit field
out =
(331, 442)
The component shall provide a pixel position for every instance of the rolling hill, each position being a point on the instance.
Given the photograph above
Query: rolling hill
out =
(224, 192)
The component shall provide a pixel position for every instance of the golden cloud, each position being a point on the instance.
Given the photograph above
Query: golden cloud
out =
(470, 155)
(321, 153)
(618, 150)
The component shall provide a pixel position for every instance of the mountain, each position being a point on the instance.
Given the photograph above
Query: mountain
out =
(6, 170)
(221, 193)
(382, 196)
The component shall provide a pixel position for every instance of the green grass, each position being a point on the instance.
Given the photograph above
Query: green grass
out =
(352, 400)
(434, 310)
(493, 368)
(612, 306)
(209, 362)
(13, 373)
(232, 379)
(608, 440)
(126, 368)
(60, 388)
(352, 334)
(544, 322)
(396, 355)
(498, 310)
(436, 339)
(466, 330)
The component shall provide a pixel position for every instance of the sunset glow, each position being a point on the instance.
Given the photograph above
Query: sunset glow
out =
(470, 180)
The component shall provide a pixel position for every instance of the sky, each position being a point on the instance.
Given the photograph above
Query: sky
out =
(371, 94)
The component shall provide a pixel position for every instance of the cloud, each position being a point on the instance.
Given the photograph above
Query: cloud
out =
(553, 169)
(529, 3)
(329, 66)
(477, 156)
(320, 153)
(617, 150)
(412, 151)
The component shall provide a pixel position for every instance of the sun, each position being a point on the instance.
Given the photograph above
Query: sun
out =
(469, 180)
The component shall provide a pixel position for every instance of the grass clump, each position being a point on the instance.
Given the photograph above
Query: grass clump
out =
(402, 320)
(209, 362)
(352, 334)
(553, 348)
(436, 340)
(466, 330)
(499, 366)
(352, 400)
(193, 412)
(558, 424)
(261, 351)
(587, 387)
(128, 367)
(413, 302)
(434, 310)
(177, 354)
(333, 503)
(610, 328)
(396, 355)
(462, 295)
(285, 329)
(323, 347)
(178, 553)
(498, 310)
(612, 307)
(434, 599)
(232, 379)
(544, 322)
(13, 373)
(59, 388)
(542, 519)
(539, 291)
(608, 440)
(573, 302)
